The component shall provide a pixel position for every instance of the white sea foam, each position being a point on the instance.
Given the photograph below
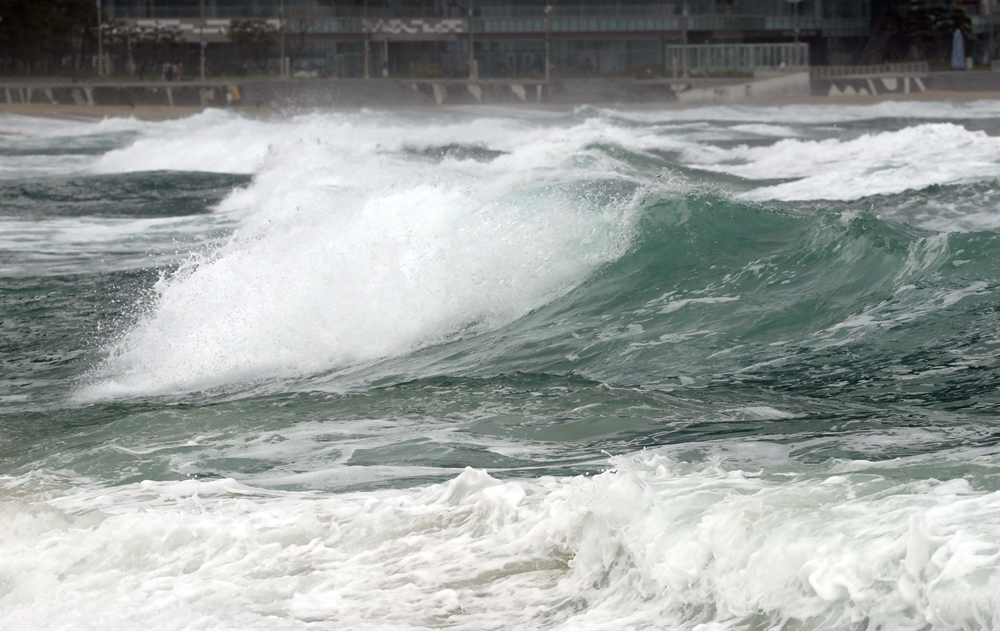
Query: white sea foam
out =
(874, 164)
(38, 127)
(898, 310)
(354, 251)
(675, 305)
(809, 114)
(974, 209)
(765, 412)
(35, 166)
(651, 543)
(75, 245)
(45, 147)
(229, 143)
(761, 129)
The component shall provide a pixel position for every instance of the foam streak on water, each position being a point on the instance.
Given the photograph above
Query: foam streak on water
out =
(368, 370)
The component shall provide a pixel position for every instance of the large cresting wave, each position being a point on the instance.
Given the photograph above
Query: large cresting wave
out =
(359, 239)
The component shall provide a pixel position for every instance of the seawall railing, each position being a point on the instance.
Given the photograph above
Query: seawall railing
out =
(911, 68)
(714, 57)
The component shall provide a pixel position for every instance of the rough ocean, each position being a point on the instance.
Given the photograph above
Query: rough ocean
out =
(713, 369)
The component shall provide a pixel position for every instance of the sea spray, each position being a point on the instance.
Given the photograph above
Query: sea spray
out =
(336, 285)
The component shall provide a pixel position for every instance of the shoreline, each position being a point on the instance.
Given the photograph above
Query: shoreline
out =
(166, 112)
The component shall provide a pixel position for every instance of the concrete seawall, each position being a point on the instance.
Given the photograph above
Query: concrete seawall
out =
(909, 84)
(383, 93)
(348, 93)
(780, 86)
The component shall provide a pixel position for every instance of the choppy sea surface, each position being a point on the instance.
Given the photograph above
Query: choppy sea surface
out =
(717, 368)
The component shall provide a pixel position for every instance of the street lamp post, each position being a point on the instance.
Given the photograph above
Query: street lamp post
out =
(281, 37)
(795, 18)
(202, 44)
(548, 36)
(473, 70)
(684, 57)
(366, 26)
(100, 40)
(129, 61)
(796, 55)
(796, 22)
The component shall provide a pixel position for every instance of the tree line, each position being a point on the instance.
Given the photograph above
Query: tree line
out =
(47, 35)
(924, 32)
(61, 36)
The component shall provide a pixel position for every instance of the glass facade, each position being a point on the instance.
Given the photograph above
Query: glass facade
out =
(509, 36)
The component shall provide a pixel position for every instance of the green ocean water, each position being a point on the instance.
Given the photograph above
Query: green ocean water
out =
(728, 368)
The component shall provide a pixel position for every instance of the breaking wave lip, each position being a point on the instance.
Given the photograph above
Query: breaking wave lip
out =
(649, 542)
(296, 291)
(345, 140)
(355, 251)
(205, 142)
(350, 250)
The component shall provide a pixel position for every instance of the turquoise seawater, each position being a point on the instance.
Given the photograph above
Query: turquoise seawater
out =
(716, 368)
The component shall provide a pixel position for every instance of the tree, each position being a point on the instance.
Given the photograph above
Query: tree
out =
(150, 46)
(120, 39)
(257, 38)
(926, 30)
(40, 35)
(155, 46)
(296, 39)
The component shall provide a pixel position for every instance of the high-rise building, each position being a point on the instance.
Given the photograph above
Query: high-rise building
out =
(514, 37)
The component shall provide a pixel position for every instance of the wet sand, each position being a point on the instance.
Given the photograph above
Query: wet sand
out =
(163, 112)
(89, 112)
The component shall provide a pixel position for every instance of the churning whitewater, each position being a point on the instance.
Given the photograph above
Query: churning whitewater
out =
(718, 368)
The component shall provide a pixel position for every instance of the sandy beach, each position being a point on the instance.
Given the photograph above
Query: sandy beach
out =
(162, 112)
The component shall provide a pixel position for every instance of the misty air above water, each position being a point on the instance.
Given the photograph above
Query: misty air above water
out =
(711, 368)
